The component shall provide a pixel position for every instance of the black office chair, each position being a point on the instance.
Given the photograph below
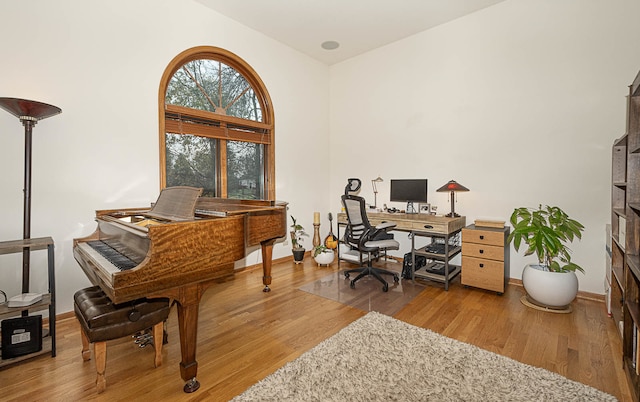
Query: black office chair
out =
(367, 239)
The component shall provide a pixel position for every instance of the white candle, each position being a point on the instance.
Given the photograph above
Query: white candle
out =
(316, 217)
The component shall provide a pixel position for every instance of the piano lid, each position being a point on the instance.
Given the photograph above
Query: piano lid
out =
(175, 204)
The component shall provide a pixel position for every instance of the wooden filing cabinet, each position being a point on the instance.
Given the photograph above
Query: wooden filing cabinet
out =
(485, 258)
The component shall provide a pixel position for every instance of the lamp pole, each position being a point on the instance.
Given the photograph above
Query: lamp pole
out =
(375, 190)
(29, 112)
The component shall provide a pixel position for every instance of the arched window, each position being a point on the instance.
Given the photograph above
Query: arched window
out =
(216, 126)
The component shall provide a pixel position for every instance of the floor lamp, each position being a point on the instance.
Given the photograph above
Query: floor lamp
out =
(29, 112)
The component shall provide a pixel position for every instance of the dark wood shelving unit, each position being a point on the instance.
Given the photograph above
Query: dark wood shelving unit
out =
(625, 234)
(618, 228)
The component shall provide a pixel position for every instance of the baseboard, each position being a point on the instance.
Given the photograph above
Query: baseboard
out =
(64, 316)
(273, 261)
(581, 295)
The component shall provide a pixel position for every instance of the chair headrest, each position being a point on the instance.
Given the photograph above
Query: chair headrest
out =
(353, 185)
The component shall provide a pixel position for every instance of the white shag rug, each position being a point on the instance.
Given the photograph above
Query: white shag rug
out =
(379, 358)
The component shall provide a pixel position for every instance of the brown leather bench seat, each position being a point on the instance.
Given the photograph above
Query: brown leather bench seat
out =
(102, 320)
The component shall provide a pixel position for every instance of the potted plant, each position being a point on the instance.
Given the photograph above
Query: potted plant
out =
(546, 232)
(323, 255)
(297, 234)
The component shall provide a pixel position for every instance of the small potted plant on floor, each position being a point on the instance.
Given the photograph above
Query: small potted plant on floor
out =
(546, 232)
(323, 255)
(297, 236)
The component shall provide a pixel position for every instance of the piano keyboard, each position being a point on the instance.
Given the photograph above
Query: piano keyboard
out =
(110, 254)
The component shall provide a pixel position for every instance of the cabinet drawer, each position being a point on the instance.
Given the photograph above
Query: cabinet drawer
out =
(412, 226)
(484, 274)
(493, 238)
(431, 227)
(483, 251)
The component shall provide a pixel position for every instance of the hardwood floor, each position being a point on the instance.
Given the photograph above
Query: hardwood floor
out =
(245, 334)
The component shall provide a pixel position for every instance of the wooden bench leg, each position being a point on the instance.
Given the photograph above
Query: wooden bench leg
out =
(86, 353)
(158, 335)
(100, 352)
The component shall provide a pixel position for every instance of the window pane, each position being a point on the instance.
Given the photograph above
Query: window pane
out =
(215, 87)
(245, 170)
(246, 107)
(191, 161)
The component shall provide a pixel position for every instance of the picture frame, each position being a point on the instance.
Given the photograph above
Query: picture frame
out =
(425, 209)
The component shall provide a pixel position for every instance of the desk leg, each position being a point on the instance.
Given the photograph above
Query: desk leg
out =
(413, 255)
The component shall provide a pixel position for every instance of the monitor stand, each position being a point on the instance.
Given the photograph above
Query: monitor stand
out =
(410, 208)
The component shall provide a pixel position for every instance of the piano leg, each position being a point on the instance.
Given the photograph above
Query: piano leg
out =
(188, 300)
(267, 256)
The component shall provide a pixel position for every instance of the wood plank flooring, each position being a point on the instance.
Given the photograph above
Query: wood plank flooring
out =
(245, 334)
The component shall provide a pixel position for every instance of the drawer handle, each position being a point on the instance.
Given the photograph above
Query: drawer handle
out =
(481, 237)
(481, 251)
(481, 265)
(428, 226)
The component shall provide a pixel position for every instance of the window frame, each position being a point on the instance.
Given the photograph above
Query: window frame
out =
(231, 127)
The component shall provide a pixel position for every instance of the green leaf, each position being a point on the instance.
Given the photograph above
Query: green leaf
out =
(546, 231)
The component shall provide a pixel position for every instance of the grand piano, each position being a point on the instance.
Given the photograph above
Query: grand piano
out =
(176, 249)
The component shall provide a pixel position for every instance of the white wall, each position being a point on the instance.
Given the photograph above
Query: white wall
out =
(464, 101)
(101, 62)
(519, 102)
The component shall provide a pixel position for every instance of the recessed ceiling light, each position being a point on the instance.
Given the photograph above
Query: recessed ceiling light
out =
(330, 45)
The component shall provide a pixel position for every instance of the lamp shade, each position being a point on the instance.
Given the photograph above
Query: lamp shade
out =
(452, 185)
(25, 109)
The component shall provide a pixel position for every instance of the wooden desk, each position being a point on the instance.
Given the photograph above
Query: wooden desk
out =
(427, 226)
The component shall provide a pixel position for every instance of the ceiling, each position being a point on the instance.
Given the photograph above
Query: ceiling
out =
(357, 25)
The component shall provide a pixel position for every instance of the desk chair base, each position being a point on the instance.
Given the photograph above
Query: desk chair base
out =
(375, 272)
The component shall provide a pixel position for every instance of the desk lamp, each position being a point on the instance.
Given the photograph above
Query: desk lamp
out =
(29, 112)
(375, 190)
(453, 187)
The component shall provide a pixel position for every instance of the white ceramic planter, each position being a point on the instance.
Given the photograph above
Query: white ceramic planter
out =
(553, 289)
(325, 258)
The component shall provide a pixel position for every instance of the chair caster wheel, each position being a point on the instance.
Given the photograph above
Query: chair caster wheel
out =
(385, 288)
(396, 279)
(346, 274)
(352, 284)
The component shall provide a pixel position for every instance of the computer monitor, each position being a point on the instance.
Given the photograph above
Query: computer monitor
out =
(409, 191)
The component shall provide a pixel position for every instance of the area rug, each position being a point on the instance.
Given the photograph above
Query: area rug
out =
(379, 358)
(368, 294)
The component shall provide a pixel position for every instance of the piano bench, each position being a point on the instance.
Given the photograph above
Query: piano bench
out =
(102, 321)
